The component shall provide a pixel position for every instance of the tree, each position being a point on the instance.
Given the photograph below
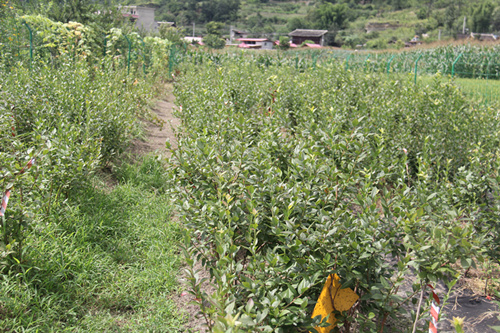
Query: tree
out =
(284, 43)
(213, 39)
(297, 23)
(99, 15)
(219, 10)
(214, 28)
(450, 16)
(495, 20)
(214, 42)
(174, 35)
(327, 14)
(482, 17)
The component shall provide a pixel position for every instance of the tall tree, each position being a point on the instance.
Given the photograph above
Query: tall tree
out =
(220, 10)
(327, 14)
(495, 20)
(482, 17)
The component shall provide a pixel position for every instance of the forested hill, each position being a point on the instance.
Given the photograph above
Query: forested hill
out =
(324, 14)
(348, 21)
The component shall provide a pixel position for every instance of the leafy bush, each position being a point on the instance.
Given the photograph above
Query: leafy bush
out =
(306, 42)
(214, 41)
(284, 43)
(72, 120)
(286, 177)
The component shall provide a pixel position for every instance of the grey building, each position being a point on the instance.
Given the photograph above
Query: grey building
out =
(143, 17)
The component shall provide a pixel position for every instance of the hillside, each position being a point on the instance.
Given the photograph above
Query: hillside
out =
(372, 24)
(350, 23)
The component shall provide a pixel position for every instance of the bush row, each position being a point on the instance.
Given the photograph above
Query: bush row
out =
(72, 119)
(50, 41)
(286, 177)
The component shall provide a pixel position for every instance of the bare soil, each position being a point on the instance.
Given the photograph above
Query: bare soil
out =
(162, 130)
(479, 312)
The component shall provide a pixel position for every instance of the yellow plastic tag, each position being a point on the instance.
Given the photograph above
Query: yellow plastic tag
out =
(333, 298)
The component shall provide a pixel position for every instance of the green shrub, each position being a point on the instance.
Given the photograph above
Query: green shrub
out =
(72, 119)
(284, 43)
(214, 42)
(283, 178)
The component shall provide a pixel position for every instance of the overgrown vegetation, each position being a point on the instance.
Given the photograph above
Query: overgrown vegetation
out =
(287, 177)
(77, 253)
(102, 259)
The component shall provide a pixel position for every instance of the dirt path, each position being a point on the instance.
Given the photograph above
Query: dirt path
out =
(157, 134)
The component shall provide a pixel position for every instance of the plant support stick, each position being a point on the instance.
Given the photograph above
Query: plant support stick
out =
(418, 309)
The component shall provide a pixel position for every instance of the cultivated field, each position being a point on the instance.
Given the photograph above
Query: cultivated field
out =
(287, 175)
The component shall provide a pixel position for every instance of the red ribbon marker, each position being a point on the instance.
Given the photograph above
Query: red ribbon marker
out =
(434, 311)
(5, 201)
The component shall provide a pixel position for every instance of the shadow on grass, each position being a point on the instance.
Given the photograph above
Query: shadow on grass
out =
(103, 259)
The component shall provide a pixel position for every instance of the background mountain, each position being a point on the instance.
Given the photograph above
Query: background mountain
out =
(372, 23)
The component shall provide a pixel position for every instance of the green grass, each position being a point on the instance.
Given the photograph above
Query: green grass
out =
(102, 261)
(487, 91)
(479, 90)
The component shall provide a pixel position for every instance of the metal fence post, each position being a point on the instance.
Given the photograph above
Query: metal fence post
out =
(453, 66)
(347, 62)
(171, 59)
(389, 64)
(143, 55)
(31, 41)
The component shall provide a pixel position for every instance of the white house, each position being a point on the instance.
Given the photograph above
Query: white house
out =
(144, 17)
(255, 43)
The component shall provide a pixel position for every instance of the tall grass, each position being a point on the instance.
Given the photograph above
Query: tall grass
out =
(103, 261)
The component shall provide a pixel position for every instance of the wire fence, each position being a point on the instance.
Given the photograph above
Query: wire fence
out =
(23, 44)
(475, 69)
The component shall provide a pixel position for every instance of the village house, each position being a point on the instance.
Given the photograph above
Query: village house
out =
(143, 17)
(298, 36)
(255, 43)
(236, 34)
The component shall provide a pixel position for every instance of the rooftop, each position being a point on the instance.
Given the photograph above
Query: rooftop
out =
(307, 33)
(314, 46)
(253, 40)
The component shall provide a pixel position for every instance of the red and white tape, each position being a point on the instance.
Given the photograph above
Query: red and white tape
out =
(5, 198)
(5, 201)
(434, 312)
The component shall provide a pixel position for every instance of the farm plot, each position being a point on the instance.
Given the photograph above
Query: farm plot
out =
(287, 177)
